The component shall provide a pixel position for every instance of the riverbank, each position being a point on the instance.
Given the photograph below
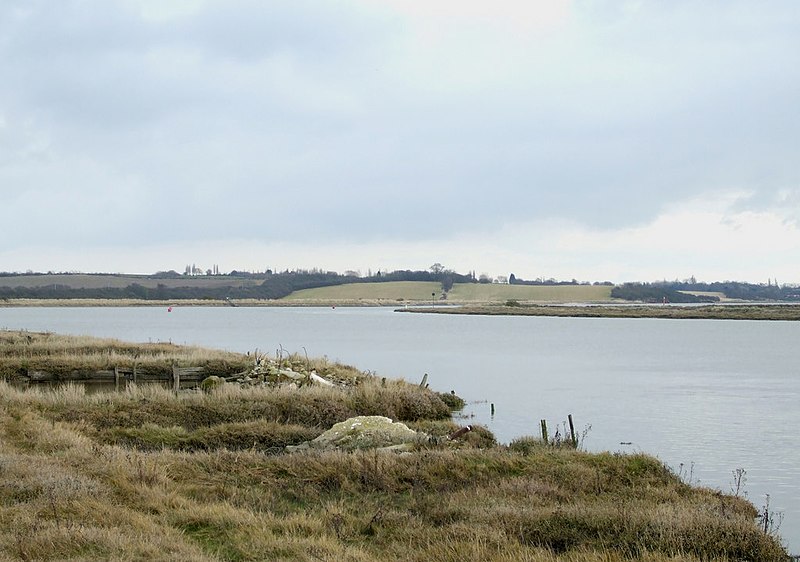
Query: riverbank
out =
(706, 312)
(730, 311)
(149, 473)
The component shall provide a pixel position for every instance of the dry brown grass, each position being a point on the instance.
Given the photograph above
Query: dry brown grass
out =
(67, 493)
(148, 474)
(22, 351)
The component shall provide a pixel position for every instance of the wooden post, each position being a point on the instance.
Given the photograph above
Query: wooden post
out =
(572, 432)
(460, 432)
(544, 431)
(116, 378)
(424, 381)
(134, 371)
(176, 379)
(492, 410)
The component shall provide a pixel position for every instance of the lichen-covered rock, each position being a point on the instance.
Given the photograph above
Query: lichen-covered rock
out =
(210, 383)
(364, 432)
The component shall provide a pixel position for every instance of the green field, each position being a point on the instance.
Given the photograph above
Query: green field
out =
(550, 293)
(394, 290)
(461, 292)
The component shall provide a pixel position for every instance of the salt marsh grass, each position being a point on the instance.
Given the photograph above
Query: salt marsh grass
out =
(34, 351)
(151, 474)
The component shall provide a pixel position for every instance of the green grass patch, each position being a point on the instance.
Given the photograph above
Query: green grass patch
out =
(418, 291)
(258, 435)
(496, 292)
(390, 291)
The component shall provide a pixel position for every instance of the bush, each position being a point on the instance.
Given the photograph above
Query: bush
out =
(453, 401)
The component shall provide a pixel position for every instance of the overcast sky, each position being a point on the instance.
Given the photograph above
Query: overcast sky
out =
(597, 140)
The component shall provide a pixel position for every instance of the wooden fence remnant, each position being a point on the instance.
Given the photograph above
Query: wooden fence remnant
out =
(572, 435)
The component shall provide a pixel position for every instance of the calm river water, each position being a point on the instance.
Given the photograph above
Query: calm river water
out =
(710, 396)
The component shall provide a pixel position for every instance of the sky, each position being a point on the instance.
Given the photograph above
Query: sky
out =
(588, 139)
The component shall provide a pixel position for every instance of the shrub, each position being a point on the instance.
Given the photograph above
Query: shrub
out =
(453, 401)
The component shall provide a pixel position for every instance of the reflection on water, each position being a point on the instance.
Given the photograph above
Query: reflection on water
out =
(720, 395)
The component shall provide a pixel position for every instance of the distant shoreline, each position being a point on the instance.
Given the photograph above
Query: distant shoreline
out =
(738, 311)
(744, 311)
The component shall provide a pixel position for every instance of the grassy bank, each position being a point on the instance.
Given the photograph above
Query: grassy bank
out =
(708, 312)
(496, 292)
(150, 474)
(53, 353)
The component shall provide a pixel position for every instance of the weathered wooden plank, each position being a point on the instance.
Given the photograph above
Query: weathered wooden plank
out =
(40, 376)
(186, 374)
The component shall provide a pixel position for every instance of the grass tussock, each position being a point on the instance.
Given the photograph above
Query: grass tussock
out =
(137, 412)
(148, 474)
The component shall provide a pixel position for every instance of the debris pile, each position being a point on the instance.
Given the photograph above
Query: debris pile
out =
(267, 371)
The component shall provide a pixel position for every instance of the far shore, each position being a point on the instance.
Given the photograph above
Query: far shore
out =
(608, 309)
(743, 311)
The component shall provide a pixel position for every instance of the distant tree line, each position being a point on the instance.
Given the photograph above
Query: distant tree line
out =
(280, 284)
(677, 291)
(652, 293)
(273, 286)
(514, 280)
(745, 291)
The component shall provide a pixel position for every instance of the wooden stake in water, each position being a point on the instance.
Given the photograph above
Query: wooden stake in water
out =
(492, 410)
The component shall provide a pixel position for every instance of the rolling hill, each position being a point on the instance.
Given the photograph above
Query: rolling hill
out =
(461, 292)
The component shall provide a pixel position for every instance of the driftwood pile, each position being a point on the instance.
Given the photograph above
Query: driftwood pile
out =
(267, 371)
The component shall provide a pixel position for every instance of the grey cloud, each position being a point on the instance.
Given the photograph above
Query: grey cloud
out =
(296, 121)
(249, 30)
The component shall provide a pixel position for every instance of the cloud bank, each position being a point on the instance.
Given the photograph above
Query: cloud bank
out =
(591, 139)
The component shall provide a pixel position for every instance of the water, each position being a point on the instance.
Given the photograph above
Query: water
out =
(710, 396)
